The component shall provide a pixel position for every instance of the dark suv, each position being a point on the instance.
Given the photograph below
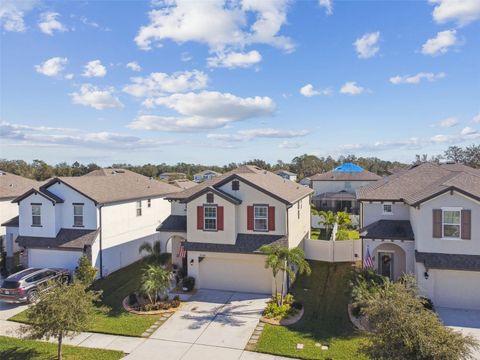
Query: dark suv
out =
(24, 286)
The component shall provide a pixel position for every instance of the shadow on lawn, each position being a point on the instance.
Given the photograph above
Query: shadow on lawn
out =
(18, 353)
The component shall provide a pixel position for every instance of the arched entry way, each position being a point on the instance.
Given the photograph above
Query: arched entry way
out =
(390, 260)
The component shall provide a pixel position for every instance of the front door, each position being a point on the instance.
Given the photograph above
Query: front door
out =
(385, 264)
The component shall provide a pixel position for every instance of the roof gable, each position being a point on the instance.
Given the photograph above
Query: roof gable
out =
(54, 199)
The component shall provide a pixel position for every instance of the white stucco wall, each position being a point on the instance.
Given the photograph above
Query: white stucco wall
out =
(178, 208)
(7, 211)
(48, 220)
(299, 223)
(321, 187)
(422, 224)
(372, 212)
(10, 245)
(407, 246)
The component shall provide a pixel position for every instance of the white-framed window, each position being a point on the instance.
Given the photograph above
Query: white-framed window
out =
(210, 218)
(451, 223)
(36, 215)
(77, 214)
(387, 209)
(260, 217)
(139, 208)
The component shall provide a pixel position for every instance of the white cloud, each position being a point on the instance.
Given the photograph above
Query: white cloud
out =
(93, 24)
(234, 59)
(69, 76)
(290, 144)
(367, 45)
(185, 56)
(460, 11)
(42, 135)
(12, 13)
(134, 66)
(441, 43)
(251, 134)
(351, 88)
(158, 84)
(48, 23)
(204, 110)
(328, 5)
(97, 98)
(309, 91)
(52, 67)
(416, 79)
(476, 118)
(466, 134)
(183, 21)
(446, 123)
(94, 68)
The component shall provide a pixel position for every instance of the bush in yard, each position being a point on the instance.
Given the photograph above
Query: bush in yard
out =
(62, 311)
(345, 234)
(188, 283)
(275, 311)
(364, 284)
(85, 272)
(402, 328)
(155, 281)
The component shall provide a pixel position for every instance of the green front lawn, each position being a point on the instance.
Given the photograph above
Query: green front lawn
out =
(16, 349)
(116, 321)
(325, 321)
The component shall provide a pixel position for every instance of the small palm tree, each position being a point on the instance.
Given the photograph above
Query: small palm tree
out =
(155, 280)
(328, 219)
(343, 219)
(154, 251)
(281, 258)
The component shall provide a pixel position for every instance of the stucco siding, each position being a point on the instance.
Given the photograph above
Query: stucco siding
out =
(8, 210)
(48, 220)
(373, 212)
(321, 187)
(299, 222)
(421, 220)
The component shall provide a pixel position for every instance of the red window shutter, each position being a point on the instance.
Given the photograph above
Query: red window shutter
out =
(249, 217)
(466, 224)
(271, 218)
(199, 217)
(220, 218)
(437, 223)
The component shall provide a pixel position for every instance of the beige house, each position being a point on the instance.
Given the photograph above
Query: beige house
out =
(426, 221)
(217, 228)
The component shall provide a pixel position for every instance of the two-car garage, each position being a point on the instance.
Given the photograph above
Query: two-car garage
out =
(66, 259)
(456, 289)
(232, 272)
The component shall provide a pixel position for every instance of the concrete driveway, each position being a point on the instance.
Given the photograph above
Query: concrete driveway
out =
(9, 310)
(212, 325)
(465, 321)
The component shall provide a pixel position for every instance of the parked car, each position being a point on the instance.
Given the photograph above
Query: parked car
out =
(24, 286)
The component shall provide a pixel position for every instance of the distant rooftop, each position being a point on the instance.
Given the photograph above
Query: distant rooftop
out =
(348, 167)
(346, 172)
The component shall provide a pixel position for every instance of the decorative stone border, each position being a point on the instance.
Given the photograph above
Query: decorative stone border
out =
(252, 342)
(156, 325)
(284, 322)
(153, 312)
(358, 323)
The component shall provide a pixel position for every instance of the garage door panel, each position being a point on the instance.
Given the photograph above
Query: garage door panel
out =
(457, 289)
(53, 258)
(239, 274)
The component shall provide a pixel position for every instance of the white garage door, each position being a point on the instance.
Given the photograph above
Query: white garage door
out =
(53, 258)
(246, 274)
(457, 289)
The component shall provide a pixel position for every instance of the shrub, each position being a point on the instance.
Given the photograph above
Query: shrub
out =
(188, 283)
(85, 272)
(165, 259)
(277, 312)
(364, 283)
(345, 234)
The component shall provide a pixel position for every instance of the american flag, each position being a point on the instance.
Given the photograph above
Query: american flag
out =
(368, 261)
(182, 252)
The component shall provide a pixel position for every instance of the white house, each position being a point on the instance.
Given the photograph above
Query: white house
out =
(106, 215)
(335, 189)
(205, 175)
(217, 228)
(11, 186)
(426, 221)
(287, 175)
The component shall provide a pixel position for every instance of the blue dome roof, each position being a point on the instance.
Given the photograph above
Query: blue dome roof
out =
(348, 167)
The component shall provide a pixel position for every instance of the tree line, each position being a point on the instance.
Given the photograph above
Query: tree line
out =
(304, 165)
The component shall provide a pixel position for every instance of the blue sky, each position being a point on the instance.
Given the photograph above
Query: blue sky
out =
(214, 83)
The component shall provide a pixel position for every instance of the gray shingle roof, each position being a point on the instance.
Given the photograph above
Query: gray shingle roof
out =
(422, 182)
(365, 175)
(388, 229)
(65, 239)
(13, 222)
(244, 244)
(266, 181)
(112, 185)
(174, 223)
(448, 261)
(12, 186)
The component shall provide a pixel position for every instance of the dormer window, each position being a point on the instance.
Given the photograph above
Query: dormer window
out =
(36, 214)
(78, 215)
(235, 185)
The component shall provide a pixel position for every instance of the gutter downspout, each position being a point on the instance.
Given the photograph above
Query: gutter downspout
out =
(100, 241)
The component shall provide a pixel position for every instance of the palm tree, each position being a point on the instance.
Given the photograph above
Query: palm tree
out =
(328, 219)
(342, 219)
(155, 280)
(154, 251)
(281, 258)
